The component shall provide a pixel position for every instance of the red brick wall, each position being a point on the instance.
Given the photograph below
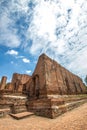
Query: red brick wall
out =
(39, 74)
(61, 81)
(18, 80)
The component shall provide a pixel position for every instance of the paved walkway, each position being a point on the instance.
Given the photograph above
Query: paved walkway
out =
(72, 120)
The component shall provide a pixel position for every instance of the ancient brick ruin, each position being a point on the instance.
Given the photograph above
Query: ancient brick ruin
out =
(50, 78)
(3, 83)
(18, 81)
(48, 90)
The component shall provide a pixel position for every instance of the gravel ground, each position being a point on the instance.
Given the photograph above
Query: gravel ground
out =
(72, 120)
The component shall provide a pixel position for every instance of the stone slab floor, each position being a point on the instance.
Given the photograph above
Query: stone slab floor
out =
(75, 119)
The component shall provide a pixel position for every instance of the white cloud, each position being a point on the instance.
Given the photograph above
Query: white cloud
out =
(78, 62)
(59, 28)
(19, 57)
(25, 60)
(8, 36)
(12, 52)
(28, 71)
(55, 27)
(20, 5)
(12, 62)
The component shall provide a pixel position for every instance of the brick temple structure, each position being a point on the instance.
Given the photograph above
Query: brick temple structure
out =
(49, 84)
(50, 78)
(49, 87)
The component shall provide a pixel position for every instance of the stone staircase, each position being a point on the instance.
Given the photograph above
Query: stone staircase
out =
(17, 106)
(17, 103)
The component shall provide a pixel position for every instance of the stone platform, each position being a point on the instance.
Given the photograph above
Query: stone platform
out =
(53, 107)
(21, 115)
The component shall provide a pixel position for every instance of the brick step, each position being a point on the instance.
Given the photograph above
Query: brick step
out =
(75, 98)
(74, 104)
(18, 109)
(60, 109)
(21, 115)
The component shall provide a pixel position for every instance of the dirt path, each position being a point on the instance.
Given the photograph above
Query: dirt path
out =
(72, 120)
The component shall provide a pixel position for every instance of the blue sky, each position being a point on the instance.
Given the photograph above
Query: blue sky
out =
(29, 28)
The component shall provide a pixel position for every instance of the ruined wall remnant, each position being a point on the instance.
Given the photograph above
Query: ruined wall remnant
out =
(22, 78)
(18, 80)
(9, 87)
(3, 82)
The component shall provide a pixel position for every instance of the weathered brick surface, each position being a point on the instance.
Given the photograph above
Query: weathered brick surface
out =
(15, 103)
(54, 107)
(23, 78)
(50, 78)
(9, 86)
(37, 85)
(18, 80)
(55, 79)
(40, 107)
(3, 82)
